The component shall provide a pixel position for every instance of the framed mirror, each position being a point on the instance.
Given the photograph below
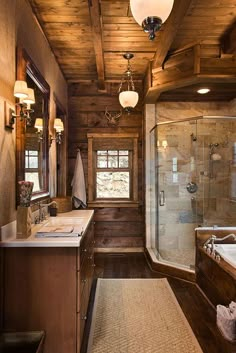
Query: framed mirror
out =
(32, 147)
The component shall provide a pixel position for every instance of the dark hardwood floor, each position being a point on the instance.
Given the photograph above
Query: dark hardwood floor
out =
(200, 315)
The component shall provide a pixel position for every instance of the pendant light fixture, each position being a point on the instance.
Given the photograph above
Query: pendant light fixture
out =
(128, 97)
(151, 14)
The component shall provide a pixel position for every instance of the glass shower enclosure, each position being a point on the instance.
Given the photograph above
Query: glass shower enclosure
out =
(193, 183)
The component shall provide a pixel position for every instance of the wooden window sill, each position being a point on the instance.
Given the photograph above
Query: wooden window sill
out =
(118, 204)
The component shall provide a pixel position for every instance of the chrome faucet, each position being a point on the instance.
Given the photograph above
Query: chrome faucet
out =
(41, 211)
(226, 237)
(212, 240)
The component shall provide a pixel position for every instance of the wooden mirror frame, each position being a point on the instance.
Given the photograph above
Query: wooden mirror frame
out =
(25, 66)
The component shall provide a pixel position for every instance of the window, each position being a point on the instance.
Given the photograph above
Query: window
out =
(32, 168)
(112, 170)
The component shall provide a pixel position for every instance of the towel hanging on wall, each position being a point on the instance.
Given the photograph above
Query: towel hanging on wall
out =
(78, 184)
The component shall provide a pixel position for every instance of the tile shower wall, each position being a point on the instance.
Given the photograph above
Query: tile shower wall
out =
(216, 170)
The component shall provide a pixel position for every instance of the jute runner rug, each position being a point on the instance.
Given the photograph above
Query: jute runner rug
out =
(139, 316)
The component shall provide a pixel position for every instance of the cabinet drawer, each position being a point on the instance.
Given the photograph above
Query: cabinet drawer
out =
(86, 244)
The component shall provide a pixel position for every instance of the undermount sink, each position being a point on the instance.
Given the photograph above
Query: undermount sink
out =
(61, 227)
(61, 221)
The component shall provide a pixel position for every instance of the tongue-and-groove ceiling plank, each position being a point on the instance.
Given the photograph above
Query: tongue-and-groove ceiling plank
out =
(205, 21)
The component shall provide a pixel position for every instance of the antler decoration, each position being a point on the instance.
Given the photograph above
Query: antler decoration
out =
(112, 119)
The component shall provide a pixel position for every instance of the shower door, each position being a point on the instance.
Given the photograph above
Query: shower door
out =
(177, 192)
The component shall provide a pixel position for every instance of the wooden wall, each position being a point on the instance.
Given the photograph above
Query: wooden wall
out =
(114, 227)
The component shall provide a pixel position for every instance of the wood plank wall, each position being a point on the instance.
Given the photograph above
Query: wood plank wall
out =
(114, 227)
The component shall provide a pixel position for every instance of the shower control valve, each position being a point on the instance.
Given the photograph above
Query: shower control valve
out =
(192, 187)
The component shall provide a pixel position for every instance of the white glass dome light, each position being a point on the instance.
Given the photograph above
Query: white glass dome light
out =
(151, 14)
(128, 97)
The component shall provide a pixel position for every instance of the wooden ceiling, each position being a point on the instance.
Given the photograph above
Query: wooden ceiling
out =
(89, 37)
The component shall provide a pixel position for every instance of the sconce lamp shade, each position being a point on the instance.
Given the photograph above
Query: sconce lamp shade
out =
(39, 124)
(58, 125)
(20, 89)
(30, 99)
(151, 14)
(128, 99)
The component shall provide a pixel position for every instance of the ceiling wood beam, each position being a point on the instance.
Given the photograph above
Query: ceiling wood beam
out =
(229, 40)
(167, 36)
(95, 16)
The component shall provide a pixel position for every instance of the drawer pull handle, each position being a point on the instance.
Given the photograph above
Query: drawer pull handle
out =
(84, 280)
(93, 265)
(84, 250)
(84, 317)
(90, 257)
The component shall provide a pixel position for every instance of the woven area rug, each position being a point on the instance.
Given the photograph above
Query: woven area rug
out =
(139, 316)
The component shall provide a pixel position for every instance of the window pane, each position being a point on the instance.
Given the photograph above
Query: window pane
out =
(123, 153)
(102, 153)
(113, 153)
(33, 153)
(123, 162)
(34, 177)
(112, 162)
(33, 162)
(113, 185)
(101, 162)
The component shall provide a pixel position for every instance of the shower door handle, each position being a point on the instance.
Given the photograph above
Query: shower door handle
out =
(162, 199)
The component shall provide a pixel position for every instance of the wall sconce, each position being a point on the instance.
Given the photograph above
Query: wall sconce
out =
(129, 97)
(151, 14)
(26, 98)
(59, 127)
(39, 126)
(164, 144)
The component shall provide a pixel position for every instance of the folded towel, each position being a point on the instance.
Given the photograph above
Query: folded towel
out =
(232, 307)
(226, 322)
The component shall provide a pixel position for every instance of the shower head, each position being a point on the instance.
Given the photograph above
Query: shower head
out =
(193, 137)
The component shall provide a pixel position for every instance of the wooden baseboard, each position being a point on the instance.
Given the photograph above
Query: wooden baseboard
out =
(118, 250)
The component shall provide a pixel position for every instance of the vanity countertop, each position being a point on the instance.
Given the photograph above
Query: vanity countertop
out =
(33, 241)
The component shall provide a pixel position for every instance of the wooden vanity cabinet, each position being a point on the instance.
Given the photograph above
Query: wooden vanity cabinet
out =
(48, 288)
(85, 269)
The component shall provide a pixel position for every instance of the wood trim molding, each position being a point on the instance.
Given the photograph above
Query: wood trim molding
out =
(112, 135)
(194, 64)
(111, 204)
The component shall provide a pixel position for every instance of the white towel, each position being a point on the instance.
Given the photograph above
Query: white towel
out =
(78, 184)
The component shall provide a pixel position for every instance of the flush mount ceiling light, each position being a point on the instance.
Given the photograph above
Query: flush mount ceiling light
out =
(128, 97)
(203, 90)
(151, 14)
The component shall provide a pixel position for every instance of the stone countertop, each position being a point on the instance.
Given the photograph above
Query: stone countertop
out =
(33, 241)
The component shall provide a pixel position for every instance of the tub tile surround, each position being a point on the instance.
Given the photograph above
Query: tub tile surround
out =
(216, 279)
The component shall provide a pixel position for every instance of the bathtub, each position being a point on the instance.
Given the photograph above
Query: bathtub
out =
(227, 252)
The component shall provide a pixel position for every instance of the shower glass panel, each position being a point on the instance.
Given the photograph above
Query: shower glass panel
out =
(177, 191)
(193, 183)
